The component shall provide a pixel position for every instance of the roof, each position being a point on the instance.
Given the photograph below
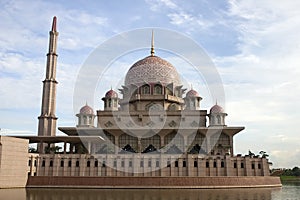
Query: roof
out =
(152, 69)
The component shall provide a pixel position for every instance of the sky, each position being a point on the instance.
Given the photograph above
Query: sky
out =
(254, 46)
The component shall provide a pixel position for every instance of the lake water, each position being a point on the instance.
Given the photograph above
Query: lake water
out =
(289, 191)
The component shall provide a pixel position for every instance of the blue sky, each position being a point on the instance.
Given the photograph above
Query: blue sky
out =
(254, 45)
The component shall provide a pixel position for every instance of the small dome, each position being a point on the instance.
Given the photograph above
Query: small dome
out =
(216, 109)
(192, 93)
(152, 69)
(111, 94)
(87, 110)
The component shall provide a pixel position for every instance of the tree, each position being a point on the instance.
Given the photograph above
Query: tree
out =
(251, 154)
(32, 150)
(263, 154)
(296, 171)
(54, 149)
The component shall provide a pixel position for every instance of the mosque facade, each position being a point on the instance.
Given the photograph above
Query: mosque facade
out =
(152, 131)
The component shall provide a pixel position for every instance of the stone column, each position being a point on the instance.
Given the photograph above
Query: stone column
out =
(71, 148)
(65, 147)
(231, 145)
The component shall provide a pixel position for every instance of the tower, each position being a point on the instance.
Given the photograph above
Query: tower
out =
(192, 100)
(86, 117)
(111, 100)
(47, 119)
(217, 116)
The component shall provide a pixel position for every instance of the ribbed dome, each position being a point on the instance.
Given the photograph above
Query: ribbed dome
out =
(216, 109)
(192, 93)
(86, 110)
(111, 94)
(152, 69)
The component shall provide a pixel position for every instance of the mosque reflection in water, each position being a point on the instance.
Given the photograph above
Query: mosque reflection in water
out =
(144, 194)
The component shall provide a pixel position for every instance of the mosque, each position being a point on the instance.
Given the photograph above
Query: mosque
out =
(152, 134)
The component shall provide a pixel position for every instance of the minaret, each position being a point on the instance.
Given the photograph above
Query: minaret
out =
(47, 119)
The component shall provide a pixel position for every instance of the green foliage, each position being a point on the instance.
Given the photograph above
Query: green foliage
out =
(263, 154)
(32, 150)
(54, 149)
(251, 154)
(291, 172)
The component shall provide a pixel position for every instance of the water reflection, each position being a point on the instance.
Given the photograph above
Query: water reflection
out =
(287, 192)
(142, 194)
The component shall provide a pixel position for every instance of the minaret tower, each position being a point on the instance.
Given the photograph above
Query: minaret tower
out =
(47, 119)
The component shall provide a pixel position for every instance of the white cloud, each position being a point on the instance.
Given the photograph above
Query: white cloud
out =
(261, 82)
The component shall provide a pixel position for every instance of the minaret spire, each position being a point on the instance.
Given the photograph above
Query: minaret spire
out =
(47, 119)
(54, 24)
(152, 44)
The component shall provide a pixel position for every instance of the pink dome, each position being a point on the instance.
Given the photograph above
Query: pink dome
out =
(111, 94)
(152, 69)
(216, 109)
(87, 110)
(192, 93)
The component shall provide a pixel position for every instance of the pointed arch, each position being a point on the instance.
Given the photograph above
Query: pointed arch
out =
(153, 140)
(125, 140)
(195, 139)
(158, 89)
(145, 89)
(174, 140)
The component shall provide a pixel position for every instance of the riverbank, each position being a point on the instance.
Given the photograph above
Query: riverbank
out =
(290, 179)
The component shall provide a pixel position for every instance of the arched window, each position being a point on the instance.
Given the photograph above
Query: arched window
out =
(146, 89)
(196, 141)
(222, 164)
(174, 142)
(154, 141)
(157, 89)
(109, 103)
(125, 140)
(43, 163)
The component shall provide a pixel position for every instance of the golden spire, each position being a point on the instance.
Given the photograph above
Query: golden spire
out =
(152, 44)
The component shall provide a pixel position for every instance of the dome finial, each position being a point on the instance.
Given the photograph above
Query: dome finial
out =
(152, 44)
